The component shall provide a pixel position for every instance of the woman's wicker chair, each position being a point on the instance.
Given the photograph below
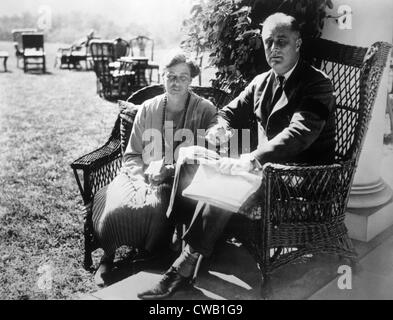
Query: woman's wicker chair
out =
(302, 208)
(99, 167)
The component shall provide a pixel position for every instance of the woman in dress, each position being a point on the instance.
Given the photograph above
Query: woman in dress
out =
(131, 209)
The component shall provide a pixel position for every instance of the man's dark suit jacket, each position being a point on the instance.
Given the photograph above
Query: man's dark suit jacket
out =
(299, 128)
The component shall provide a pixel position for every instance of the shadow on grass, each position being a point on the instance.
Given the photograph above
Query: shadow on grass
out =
(39, 73)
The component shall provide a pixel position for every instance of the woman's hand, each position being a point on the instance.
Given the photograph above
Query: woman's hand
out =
(165, 172)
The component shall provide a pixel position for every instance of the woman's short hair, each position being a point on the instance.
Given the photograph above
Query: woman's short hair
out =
(182, 58)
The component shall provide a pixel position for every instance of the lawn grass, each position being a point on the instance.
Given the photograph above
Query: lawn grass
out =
(46, 121)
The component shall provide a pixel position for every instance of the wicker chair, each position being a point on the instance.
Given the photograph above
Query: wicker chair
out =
(99, 167)
(301, 209)
(109, 82)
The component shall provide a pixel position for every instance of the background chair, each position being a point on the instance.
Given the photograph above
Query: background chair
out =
(71, 57)
(121, 48)
(33, 51)
(17, 38)
(99, 167)
(143, 46)
(108, 80)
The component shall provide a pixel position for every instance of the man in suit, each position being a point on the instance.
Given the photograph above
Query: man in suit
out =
(290, 113)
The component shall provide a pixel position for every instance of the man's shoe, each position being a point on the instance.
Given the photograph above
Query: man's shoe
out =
(170, 282)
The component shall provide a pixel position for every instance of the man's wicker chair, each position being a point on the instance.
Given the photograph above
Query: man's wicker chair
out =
(301, 208)
(99, 167)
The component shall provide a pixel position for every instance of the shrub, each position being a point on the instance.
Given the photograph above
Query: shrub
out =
(229, 31)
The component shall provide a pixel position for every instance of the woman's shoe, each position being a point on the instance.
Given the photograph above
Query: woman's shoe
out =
(106, 265)
(144, 256)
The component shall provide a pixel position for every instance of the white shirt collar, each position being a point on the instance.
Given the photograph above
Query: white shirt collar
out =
(288, 73)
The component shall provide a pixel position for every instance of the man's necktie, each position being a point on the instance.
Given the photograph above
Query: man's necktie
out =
(278, 92)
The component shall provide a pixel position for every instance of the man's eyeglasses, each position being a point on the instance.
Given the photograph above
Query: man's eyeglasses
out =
(173, 78)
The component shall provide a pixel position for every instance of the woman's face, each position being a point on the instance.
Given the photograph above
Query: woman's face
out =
(177, 79)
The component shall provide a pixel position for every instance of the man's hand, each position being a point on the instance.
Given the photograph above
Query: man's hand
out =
(158, 178)
(233, 166)
(218, 135)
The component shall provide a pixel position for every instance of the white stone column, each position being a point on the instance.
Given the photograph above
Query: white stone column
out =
(370, 209)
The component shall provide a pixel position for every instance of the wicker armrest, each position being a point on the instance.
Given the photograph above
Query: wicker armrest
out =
(300, 192)
(98, 157)
(98, 167)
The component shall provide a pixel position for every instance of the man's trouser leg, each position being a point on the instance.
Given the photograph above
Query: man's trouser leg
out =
(207, 225)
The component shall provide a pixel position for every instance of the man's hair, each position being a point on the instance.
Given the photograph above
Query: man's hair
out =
(281, 19)
(182, 58)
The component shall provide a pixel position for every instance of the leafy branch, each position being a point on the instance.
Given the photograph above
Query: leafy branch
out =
(229, 32)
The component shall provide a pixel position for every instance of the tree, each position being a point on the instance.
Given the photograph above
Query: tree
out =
(229, 31)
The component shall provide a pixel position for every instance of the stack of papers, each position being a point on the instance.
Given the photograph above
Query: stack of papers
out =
(228, 192)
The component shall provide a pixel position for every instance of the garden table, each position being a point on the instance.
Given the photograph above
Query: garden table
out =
(135, 69)
(4, 56)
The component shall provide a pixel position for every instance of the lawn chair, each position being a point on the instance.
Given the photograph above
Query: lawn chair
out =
(71, 57)
(121, 48)
(109, 80)
(17, 37)
(142, 46)
(33, 51)
(99, 167)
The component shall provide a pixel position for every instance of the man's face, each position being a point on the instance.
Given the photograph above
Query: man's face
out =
(282, 47)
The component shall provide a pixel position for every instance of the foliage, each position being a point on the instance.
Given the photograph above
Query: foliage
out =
(229, 31)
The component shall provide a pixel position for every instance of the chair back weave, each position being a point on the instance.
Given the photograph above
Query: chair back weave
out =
(121, 48)
(352, 72)
(142, 46)
(33, 41)
(102, 53)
